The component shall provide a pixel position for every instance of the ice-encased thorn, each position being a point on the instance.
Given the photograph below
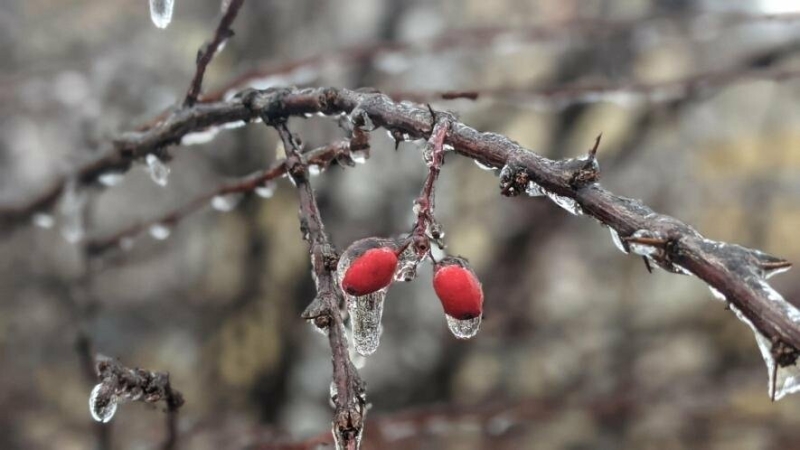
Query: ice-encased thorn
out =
(159, 172)
(102, 407)
(159, 231)
(43, 220)
(534, 190)
(266, 190)
(72, 208)
(110, 179)
(482, 165)
(566, 203)
(226, 202)
(366, 312)
(359, 118)
(617, 240)
(161, 12)
(643, 249)
(224, 5)
(463, 329)
(717, 294)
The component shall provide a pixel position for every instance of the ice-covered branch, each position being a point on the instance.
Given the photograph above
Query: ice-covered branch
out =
(118, 384)
(207, 53)
(735, 272)
(348, 392)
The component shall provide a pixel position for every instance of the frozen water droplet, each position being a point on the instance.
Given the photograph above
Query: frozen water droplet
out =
(358, 156)
(314, 170)
(308, 115)
(617, 240)
(333, 394)
(201, 137)
(159, 231)
(43, 220)
(717, 294)
(161, 12)
(448, 148)
(102, 407)
(643, 249)
(72, 207)
(566, 203)
(266, 190)
(226, 202)
(482, 165)
(159, 172)
(109, 179)
(463, 329)
(231, 125)
(534, 190)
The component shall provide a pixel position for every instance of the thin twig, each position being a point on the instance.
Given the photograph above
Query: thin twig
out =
(205, 55)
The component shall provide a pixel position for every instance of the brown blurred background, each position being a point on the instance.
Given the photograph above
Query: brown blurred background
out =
(580, 347)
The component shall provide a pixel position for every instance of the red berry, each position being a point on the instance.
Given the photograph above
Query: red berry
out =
(458, 289)
(372, 271)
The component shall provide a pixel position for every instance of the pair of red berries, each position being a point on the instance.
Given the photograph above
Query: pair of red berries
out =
(373, 268)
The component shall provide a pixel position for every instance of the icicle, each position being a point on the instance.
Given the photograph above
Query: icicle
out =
(314, 170)
(358, 156)
(43, 220)
(463, 329)
(71, 208)
(717, 294)
(266, 190)
(482, 165)
(159, 172)
(201, 137)
(159, 231)
(226, 202)
(110, 179)
(101, 411)
(161, 12)
(534, 190)
(365, 317)
(566, 203)
(617, 240)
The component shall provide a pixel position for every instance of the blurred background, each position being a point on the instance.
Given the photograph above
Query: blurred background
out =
(580, 348)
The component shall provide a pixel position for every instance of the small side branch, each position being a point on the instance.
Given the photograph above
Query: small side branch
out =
(349, 396)
(118, 384)
(206, 54)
